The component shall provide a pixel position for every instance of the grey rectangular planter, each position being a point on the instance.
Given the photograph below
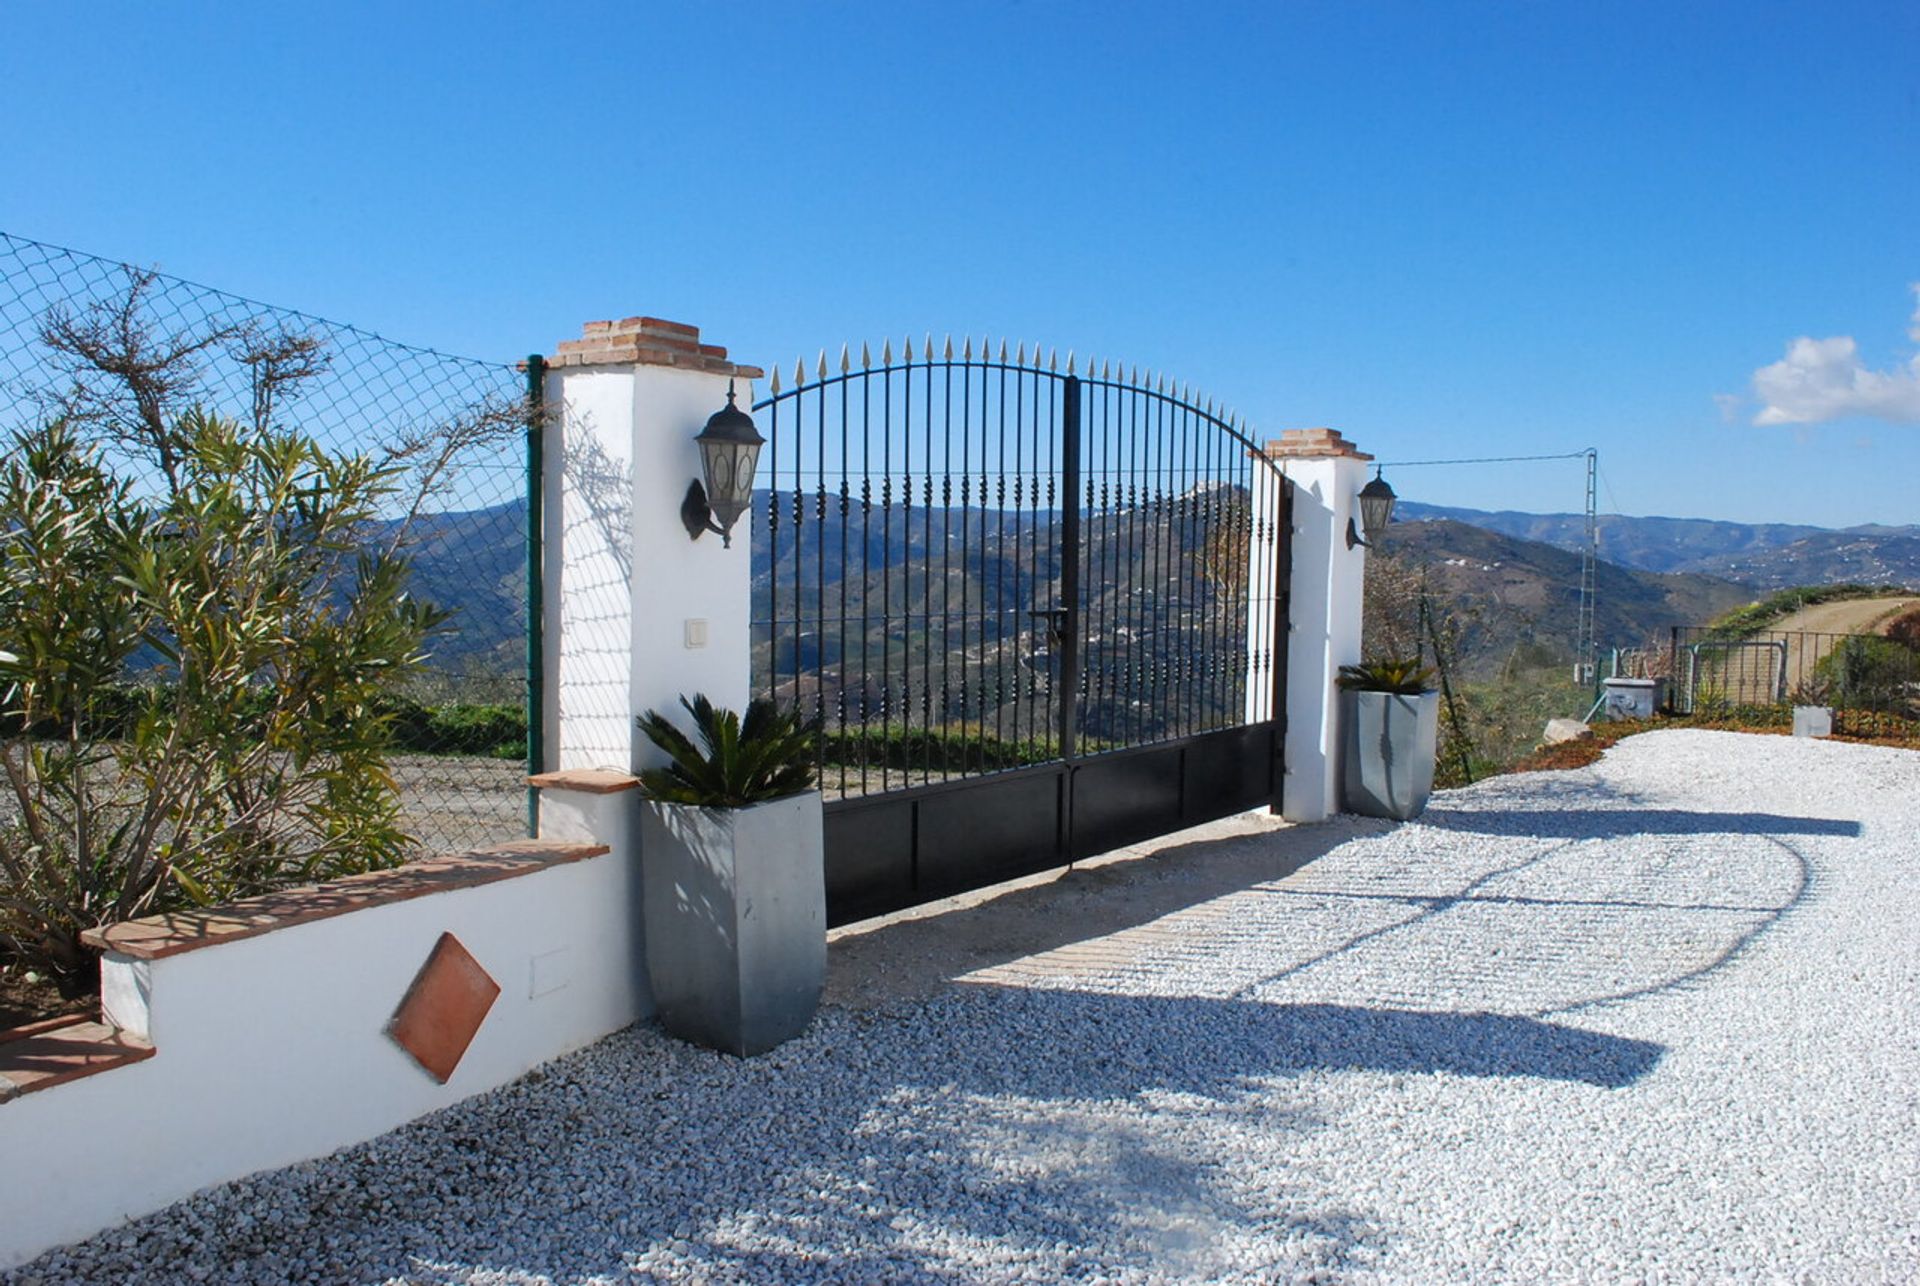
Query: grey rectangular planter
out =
(1387, 749)
(1813, 721)
(735, 912)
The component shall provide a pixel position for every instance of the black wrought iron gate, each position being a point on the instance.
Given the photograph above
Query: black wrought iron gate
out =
(1040, 613)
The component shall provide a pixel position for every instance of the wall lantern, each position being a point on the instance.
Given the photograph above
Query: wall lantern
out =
(1376, 511)
(729, 450)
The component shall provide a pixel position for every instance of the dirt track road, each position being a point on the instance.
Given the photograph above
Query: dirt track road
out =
(1853, 616)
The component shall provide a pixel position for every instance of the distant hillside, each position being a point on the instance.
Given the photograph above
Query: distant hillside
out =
(1764, 556)
(1517, 593)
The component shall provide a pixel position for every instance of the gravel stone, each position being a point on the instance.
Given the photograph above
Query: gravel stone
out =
(1652, 1020)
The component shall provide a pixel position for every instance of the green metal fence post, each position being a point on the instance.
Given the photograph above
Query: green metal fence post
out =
(536, 587)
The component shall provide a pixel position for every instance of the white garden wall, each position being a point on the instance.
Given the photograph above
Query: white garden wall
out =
(272, 1049)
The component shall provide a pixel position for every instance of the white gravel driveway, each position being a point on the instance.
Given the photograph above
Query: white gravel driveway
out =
(1658, 1020)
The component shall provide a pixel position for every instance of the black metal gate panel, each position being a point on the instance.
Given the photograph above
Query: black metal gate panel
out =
(1039, 613)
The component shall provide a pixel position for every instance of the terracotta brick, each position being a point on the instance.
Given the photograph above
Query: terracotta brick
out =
(596, 328)
(42, 1055)
(713, 350)
(659, 325)
(158, 936)
(591, 781)
(443, 1009)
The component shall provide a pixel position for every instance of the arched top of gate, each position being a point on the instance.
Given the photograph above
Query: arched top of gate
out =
(1040, 363)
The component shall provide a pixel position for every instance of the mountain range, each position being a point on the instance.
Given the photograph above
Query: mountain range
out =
(1513, 576)
(1761, 556)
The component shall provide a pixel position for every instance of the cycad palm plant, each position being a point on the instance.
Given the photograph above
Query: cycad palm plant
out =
(738, 762)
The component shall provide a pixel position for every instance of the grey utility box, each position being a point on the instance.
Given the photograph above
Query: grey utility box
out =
(1632, 698)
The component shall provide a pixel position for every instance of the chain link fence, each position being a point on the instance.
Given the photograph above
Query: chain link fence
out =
(455, 425)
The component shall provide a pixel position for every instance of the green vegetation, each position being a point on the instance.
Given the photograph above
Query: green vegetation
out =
(263, 764)
(1398, 675)
(1755, 617)
(738, 762)
(1867, 673)
(903, 749)
(497, 731)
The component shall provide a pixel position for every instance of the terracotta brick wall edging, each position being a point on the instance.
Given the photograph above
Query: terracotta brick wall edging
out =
(158, 936)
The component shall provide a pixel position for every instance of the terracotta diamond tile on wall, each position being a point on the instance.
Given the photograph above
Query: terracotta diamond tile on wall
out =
(444, 1008)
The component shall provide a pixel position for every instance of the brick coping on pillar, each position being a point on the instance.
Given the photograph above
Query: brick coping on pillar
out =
(647, 341)
(588, 781)
(1296, 444)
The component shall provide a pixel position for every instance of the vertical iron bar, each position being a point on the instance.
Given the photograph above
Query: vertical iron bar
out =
(887, 703)
(1211, 528)
(906, 572)
(1070, 566)
(1196, 591)
(1138, 640)
(820, 554)
(536, 583)
(866, 553)
(1047, 430)
(840, 642)
(1000, 576)
(799, 521)
(946, 559)
(773, 548)
(1022, 623)
(966, 534)
(926, 576)
(1282, 624)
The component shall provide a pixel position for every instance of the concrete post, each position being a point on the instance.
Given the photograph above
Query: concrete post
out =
(1328, 586)
(636, 613)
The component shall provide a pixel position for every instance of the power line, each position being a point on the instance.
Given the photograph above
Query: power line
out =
(1585, 622)
(1489, 459)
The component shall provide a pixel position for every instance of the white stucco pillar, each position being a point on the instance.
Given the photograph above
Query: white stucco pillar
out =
(636, 613)
(1327, 588)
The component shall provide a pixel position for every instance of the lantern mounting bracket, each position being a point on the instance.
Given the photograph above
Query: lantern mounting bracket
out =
(697, 516)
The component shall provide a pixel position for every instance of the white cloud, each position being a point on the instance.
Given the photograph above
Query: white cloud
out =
(1824, 379)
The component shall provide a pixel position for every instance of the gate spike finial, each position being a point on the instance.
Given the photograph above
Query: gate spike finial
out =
(799, 371)
(1003, 350)
(1135, 381)
(866, 356)
(926, 348)
(776, 378)
(886, 351)
(1106, 369)
(1069, 361)
(823, 363)
(947, 354)
(909, 358)
(1053, 359)
(1020, 353)
(966, 347)
(845, 364)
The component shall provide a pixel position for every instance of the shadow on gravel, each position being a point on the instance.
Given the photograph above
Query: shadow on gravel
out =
(913, 955)
(1232, 1040)
(1615, 823)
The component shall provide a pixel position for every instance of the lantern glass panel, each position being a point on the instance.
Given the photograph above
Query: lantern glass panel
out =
(1376, 508)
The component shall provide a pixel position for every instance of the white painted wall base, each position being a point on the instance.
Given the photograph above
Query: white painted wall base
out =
(273, 1049)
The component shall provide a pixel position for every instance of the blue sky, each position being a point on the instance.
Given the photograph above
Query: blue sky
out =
(1446, 230)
